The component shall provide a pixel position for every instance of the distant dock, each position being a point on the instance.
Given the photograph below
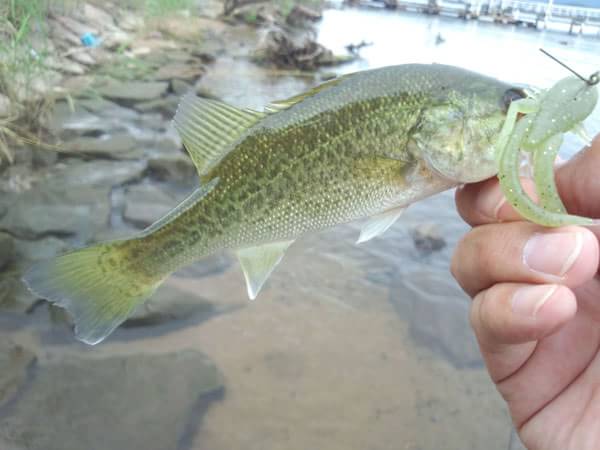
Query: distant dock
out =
(539, 15)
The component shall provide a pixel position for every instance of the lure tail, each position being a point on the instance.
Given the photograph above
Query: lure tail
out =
(99, 286)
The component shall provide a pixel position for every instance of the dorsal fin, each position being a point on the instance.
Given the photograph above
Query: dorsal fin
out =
(207, 127)
(279, 105)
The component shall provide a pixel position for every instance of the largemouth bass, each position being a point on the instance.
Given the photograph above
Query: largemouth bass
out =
(361, 146)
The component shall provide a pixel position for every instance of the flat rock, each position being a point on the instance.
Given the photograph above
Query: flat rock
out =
(439, 316)
(14, 296)
(134, 91)
(182, 70)
(136, 401)
(7, 249)
(146, 203)
(172, 166)
(115, 146)
(180, 87)
(33, 250)
(15, 360)
(57, 209)
(167, 106)
(99, 173)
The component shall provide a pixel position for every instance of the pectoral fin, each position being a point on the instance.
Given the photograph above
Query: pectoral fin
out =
(378, 224)
(258, 263)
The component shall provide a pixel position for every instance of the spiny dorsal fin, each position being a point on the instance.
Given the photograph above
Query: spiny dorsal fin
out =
(207, 127)
(279, 105)
(258, 263)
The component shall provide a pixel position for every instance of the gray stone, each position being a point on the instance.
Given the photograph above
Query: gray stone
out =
(133, 91)
(146, 203)
(95, 104)
(167, 304)
(166, 106)
(34, 250)
(77, 121)
(96, 401)
(7, 249)
(56, 208)
(99, 173)
(44, 157)
(23, 156)
(439, 315)
(172, 166)
(180, 87)
(14, 296)
(428, 238)
(115, 146)
(15, 360)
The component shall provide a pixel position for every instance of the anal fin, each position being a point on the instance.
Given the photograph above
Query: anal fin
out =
(258, 263)
(378, 224)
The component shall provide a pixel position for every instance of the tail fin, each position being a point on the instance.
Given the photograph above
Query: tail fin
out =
(97, 285)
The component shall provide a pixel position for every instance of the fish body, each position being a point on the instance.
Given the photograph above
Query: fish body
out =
(361, 146)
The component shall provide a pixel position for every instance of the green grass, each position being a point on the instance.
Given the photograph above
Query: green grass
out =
(20, 64)
(156, 8)
(161, 7)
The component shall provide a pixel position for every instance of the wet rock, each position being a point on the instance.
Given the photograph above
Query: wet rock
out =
(170, 303)
(42, 157)
(99, 173)
(39, 249)
(115, 146)
(14, 295)
(189, 70)
(171, 166)
(98, 105)
(427, 238)
(180, 87)
(7, 249)
(166, 106)
(106, 401)
(15, 361)
(54, 208)
(146, 203)
(79, 121)
(301, 14)
(438, 312)
(296, 50)
(133, 91)
(23, 156)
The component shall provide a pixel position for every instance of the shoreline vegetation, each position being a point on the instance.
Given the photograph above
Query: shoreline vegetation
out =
(62, 50)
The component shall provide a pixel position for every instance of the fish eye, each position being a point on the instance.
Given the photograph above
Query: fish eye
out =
(512, 94)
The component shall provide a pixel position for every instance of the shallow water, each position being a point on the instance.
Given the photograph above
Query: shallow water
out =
(348, 347)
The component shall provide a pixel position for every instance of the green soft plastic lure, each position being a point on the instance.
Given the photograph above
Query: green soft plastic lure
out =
(362, 146)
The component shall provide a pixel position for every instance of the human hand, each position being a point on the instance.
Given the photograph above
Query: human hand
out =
(536, 306)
